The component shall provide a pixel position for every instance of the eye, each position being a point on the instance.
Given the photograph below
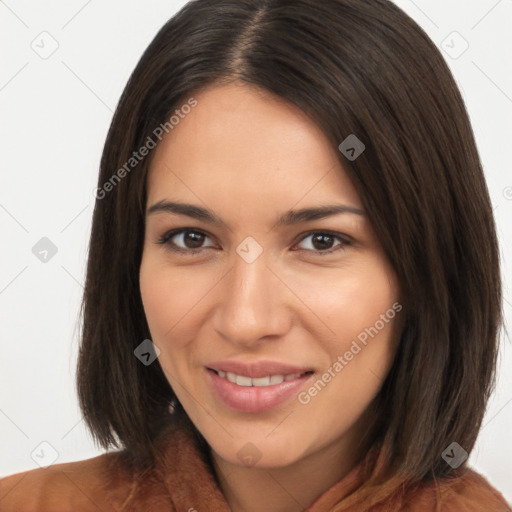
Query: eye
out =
(191, 240)
(321, 239)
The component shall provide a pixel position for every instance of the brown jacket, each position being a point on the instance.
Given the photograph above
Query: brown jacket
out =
(182, 481)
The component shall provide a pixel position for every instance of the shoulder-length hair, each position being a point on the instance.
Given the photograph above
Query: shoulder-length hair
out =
(355, 67)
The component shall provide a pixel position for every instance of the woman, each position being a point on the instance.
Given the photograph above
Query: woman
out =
(293, 294)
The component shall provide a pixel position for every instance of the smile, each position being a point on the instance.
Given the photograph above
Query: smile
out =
(256, 387)
(243, 380)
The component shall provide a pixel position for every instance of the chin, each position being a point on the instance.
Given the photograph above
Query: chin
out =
(258, 453)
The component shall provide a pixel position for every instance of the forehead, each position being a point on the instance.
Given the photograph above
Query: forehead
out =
(246, 144)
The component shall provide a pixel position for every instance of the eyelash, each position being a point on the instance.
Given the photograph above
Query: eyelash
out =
(166, 237)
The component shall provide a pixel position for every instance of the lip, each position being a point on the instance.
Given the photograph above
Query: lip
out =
(255, 399)
(255, 369)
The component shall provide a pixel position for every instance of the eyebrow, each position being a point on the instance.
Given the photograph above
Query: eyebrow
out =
(286, 219)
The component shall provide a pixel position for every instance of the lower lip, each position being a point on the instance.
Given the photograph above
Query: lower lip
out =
(255, 398)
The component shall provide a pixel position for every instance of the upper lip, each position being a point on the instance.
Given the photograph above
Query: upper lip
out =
(256, 369)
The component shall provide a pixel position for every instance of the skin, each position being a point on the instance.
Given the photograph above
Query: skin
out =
(249, 156)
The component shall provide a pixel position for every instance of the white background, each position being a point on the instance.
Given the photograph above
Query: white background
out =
(55, 113)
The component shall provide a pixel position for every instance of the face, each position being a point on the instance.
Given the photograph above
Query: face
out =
(275, 330)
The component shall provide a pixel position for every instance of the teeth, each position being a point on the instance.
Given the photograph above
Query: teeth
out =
(242, 380)
(276, 379)
(262, 381)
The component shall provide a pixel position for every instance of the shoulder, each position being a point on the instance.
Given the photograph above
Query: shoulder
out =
(99, 483)
(468, 492)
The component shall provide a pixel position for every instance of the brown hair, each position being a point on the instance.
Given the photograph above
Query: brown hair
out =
(355, 67)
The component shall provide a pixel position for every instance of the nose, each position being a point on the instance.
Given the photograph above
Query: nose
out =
(252, 303)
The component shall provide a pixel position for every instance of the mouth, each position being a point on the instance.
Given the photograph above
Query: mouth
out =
(269, 380)
(258, 387)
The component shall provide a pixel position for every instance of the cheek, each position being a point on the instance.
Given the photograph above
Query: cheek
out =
(352, 300)
(367, 306)
(166, 297)
(360, 311)
(167, 300)
(369, 351)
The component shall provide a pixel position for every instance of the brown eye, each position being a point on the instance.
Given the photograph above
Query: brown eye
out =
(324, 242)
(184, 240)
(193, 239)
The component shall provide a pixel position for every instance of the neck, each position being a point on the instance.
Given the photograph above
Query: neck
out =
(286, 489)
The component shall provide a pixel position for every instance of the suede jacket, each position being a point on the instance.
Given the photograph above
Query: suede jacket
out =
(182, 480)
